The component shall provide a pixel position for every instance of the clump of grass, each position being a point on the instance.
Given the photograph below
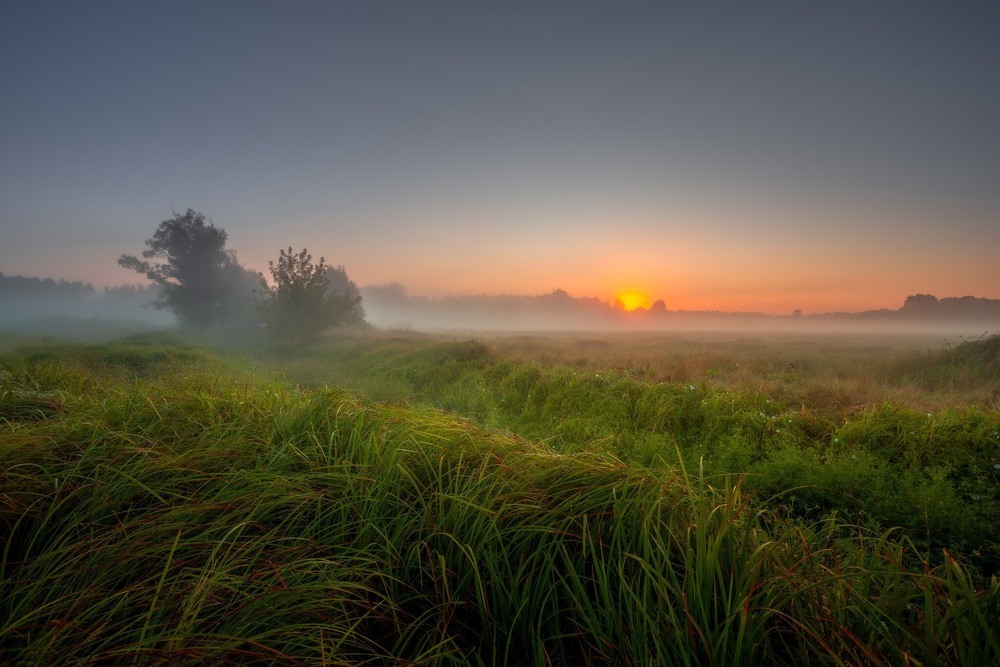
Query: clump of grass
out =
(21, 402)
(971, 366)
(980, 356)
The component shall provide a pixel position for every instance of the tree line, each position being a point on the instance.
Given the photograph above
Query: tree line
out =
(204, 285)
(46, 303)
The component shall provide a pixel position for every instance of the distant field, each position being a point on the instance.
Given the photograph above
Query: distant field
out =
(841, 372)
(401, 498)
(837, 371)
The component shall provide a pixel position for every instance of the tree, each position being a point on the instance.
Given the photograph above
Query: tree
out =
(342, 286)
(198, 277)
(240, 316)
(920, 302)
(300, 304)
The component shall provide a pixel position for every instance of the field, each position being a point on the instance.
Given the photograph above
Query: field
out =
(390, 497)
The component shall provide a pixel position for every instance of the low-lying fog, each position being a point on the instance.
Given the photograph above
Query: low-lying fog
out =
(35, 306)
(389, 306)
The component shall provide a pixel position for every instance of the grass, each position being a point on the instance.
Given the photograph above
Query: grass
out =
(929, 466)
(171, 506)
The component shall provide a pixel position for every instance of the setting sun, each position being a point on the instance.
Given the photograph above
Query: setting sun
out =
(633, 300)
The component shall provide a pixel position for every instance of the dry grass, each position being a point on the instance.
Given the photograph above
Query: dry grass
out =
(825, 372)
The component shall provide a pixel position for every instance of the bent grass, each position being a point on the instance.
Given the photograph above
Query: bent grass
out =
(177, 517)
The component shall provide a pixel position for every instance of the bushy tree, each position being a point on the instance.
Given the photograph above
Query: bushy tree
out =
(300, 305)
(340, 287)
(198, 277)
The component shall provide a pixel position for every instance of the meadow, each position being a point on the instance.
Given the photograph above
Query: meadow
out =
(390, 497)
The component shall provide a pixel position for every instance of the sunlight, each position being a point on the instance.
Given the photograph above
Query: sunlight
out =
(633, 300)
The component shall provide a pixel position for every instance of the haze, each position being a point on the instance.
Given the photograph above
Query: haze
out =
(749, 157)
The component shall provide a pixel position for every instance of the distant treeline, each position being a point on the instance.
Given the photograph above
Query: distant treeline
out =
(27, 298)
(390, 306)
(20, 285)
(929, 307)
(23, 298)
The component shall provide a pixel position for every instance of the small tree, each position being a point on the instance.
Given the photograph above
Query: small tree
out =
(195, 278)
(300, 305)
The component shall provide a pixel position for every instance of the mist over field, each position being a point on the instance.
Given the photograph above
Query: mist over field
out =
(390, 306)
(46, 306)
(50, 307)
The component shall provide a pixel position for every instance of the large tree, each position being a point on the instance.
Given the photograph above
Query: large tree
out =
(198, 277)
(300, 305)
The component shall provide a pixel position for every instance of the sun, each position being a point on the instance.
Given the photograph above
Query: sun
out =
(633, 300)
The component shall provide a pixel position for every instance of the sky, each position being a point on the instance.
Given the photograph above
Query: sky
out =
(758, 156)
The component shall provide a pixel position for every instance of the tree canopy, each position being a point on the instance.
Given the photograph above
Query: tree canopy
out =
(198, 277)
(300, 305)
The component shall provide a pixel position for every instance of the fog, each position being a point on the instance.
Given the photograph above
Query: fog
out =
(77, 310)
(39, 306)
(390, 306)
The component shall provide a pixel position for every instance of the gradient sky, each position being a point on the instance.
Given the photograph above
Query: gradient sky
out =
(740, 156)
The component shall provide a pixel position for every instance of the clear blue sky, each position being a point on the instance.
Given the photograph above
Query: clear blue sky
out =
(753, 156)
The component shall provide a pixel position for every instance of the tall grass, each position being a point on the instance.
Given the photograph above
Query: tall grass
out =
(173, 509)
(935, 473)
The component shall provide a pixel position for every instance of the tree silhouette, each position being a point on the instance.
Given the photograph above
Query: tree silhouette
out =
(198, 277)
(301, 305)
(920, 302)
(341, 286)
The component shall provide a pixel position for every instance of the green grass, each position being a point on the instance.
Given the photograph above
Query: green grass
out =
(169, 506)
(933, 471)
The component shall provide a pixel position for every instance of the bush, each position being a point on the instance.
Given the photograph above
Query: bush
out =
(300, 306)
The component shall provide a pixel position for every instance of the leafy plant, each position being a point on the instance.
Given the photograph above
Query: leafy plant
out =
(299, 306)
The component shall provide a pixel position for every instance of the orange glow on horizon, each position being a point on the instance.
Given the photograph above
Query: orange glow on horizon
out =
(633, 300)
